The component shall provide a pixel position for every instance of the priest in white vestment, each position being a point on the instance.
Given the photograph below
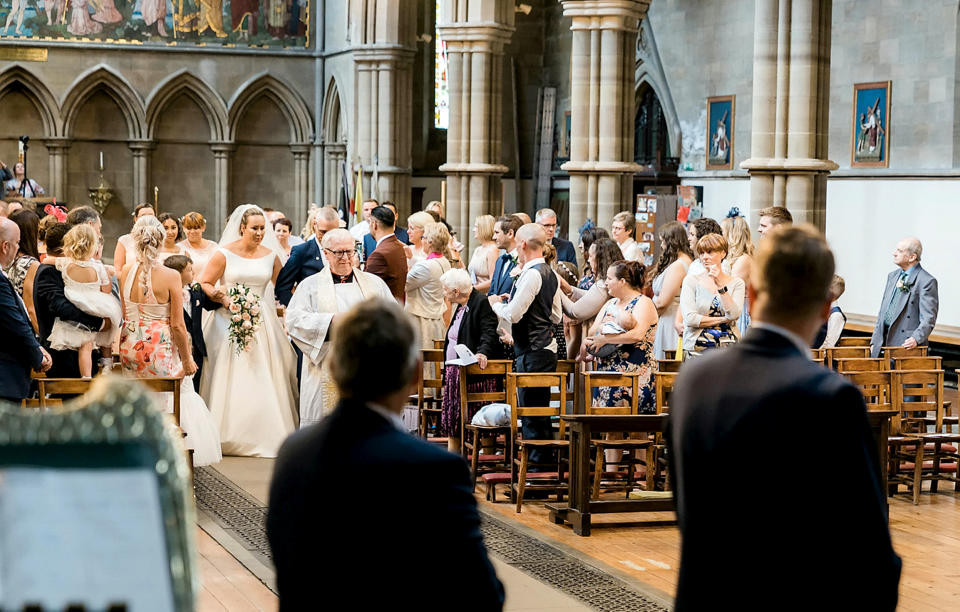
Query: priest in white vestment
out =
(313, 308)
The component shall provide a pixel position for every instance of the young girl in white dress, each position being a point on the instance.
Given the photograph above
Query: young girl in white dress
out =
(87, 286)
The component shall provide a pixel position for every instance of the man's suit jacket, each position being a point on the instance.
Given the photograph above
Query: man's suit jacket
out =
(565, 250)
(739, 448)
(389, 262)
(370, 243)
(198, 303)
(319, 544)
(305, 260)
(501, 282)
(50, 303)
(916, 310)
(19, 350)
(478, 330)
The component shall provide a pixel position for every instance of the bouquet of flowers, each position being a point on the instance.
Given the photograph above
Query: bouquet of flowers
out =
(244, 316)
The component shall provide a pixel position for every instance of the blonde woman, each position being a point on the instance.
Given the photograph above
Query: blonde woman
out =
(415, 226)
(484, 256)
(622, 229)
(740, 258)
(424, 291)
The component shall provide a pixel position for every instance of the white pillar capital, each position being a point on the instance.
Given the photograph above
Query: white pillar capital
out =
(605, 14)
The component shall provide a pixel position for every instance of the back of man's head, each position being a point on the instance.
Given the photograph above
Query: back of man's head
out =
(791, 275)
(384, 217)
(371, 334)
(779, 215)
(82, 214)
(533, 235)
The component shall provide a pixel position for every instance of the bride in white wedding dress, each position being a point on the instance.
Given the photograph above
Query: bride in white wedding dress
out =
(252, 393)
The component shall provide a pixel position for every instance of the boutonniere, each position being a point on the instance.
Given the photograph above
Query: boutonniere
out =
(514, 261)
(903, 285)
(515, 272)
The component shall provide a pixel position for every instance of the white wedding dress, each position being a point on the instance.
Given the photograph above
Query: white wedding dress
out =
(252, 394)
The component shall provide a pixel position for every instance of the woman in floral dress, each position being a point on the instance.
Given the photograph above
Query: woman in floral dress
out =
(627, 321)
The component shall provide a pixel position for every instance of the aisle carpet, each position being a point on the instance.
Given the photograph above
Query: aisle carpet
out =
(243, 517)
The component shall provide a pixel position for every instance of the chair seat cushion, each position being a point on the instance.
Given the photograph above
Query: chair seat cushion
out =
(492, 458)
(622, 443)
(544, 443)
(907, 466)
(496, 478)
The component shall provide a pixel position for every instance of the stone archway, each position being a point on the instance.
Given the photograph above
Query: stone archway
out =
(334, 143)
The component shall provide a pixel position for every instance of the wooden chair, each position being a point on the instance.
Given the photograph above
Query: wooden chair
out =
(915, 394)
(892, 352)
(429, 404)
(917, 363)
(550, 481)
(656, 454)
(490, 437)
(875, 387)
(845, 352)
(61, 386)
(668, 365)
(861, 364)
(854, 341)
(631, 446)
(819, 355)
(670, 355)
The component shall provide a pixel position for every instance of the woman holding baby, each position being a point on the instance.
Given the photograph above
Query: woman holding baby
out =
(622, 335)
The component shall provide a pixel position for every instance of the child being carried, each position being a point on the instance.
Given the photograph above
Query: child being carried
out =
(87, 286)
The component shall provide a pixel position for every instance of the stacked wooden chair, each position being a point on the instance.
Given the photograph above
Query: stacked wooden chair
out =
(629, 448)
(430, 395)
(552, 478)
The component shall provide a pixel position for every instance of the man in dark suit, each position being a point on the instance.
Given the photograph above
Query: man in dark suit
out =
(50, 303)
(370, 243)
(910, 303)
(547, 219)
(317, 547)
(387, 260)
(505, 236)
(307, 258)
(739, 446)
(19, 352)
(194, 303)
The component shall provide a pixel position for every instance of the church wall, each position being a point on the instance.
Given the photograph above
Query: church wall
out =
(17, 106)
(182, 162)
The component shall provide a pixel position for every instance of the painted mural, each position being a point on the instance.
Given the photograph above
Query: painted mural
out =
(269, 23)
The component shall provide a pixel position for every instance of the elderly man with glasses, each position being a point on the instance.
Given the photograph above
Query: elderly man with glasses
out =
(314, 308)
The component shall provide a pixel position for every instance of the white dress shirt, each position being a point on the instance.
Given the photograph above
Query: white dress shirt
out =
(525, 291)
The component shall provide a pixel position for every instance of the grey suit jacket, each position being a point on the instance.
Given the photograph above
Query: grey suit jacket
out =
(916, 310)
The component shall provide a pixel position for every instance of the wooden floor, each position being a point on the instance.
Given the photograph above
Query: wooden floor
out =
(225, 584)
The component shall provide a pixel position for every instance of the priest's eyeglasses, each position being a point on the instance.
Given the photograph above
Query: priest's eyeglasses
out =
(339, 254)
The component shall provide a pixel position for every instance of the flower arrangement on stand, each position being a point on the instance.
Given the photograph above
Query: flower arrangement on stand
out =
(245, 317)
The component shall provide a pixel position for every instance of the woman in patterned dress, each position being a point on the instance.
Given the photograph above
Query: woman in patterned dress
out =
(633, 313)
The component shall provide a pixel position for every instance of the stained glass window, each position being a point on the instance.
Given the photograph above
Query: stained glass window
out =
(441, 91)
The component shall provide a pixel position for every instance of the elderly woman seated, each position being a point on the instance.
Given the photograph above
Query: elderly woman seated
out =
(710, 302)
(474, 325)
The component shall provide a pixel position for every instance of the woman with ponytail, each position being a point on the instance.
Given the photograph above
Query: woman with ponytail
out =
(154, 340)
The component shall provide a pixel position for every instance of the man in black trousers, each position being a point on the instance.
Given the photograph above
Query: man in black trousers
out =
(325, 529)
(533, 308)
(19, 351)
(775, 514)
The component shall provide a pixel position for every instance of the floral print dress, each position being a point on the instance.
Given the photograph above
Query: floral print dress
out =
(628, 358)
(146, 342)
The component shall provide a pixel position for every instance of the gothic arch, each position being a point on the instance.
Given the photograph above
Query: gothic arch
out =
(333, 124)
(183, 82)
(102, 78)
(38, 93)
(291, 105)
(649, 72)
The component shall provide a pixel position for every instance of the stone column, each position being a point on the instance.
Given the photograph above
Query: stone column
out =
(384, 47)
(57, 154)
(475, 33)
(142, 191)
(222, 153)
(788, 162)
(333, 155)
(301, 183)
(602, 108)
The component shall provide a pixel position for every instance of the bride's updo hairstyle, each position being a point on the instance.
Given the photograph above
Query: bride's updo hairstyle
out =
(148, 235)
(251, 212)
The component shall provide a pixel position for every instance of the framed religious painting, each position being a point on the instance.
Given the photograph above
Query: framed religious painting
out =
(720, 112)
(870, 136)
